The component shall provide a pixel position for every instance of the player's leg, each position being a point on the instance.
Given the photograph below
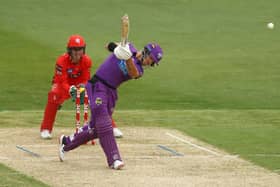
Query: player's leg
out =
(56, 97)
(104, 105)
(102, 102)
(85, 134)
(117, 132)
(101, 124)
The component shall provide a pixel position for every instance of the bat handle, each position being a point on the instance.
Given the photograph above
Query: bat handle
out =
(124, 42)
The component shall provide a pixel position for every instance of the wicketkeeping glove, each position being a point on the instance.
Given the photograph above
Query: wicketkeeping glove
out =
(82, 93)
(73, 92)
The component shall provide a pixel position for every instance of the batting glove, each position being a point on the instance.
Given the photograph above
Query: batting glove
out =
(123, 52)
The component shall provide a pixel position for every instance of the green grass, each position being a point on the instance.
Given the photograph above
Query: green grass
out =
(10, 178)
(218, 55)
(220, 67)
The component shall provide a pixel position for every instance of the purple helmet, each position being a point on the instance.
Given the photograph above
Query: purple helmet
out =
(155, 51)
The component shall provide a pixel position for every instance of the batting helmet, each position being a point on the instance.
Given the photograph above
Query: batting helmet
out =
(155, 51)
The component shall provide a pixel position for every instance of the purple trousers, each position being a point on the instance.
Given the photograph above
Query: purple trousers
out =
(102, 101)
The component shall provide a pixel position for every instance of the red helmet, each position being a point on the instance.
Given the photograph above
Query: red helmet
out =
(76, 41)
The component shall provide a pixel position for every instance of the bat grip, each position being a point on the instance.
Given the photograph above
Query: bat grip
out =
(123, 43)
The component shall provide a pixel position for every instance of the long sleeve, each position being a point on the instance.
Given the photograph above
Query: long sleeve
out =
(85, 76)
(61, 76)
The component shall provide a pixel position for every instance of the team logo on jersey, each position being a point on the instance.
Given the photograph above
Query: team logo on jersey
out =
(98, 101)
(69, 70)
(122, 66)
(72, 73)
(75, 75)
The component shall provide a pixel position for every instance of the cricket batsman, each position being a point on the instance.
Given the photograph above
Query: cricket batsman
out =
(125, 63)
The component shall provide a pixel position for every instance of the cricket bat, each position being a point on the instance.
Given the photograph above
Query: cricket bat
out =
(133, 72)
(125, 30)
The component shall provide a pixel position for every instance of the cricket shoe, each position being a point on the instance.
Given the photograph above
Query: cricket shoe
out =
(117, 165)
(117, 132)
(45, 134)
(61, 152)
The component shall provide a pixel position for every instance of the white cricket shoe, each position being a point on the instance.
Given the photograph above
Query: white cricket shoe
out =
(117, 132)
(45, 134)
(117, 165)
(60, 149)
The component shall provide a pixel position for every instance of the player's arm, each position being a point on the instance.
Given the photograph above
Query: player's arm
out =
(132, 69)
(86, 71)
(60, 76)
(124, 53)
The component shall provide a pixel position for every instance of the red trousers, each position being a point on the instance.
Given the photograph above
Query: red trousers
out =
(56, 96)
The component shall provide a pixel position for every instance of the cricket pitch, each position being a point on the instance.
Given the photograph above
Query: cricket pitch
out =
(152, 156)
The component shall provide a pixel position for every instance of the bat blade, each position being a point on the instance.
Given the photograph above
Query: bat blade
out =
(125, 29)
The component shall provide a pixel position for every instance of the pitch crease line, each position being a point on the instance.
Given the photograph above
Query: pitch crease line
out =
(192, 144)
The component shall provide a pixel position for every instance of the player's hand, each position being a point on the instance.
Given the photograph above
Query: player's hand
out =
(82, 88)
(123, 52)
(82, 95)
(73, 92)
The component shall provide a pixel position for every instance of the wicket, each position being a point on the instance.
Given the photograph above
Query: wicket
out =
(78, 110)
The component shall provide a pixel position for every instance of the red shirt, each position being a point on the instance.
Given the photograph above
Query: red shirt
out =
(68, 73)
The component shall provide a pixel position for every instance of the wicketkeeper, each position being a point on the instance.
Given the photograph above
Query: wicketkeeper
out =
(72, 69)
(124, 64)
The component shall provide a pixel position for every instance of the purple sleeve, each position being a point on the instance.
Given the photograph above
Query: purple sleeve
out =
(132, 49)
(138, 65)
(141, 71)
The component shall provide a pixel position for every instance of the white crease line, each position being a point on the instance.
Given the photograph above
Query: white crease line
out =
(194, 145)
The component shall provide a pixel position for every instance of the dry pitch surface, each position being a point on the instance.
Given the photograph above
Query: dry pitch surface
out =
(153, 157)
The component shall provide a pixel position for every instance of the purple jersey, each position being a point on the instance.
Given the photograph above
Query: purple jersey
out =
(114, 70)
